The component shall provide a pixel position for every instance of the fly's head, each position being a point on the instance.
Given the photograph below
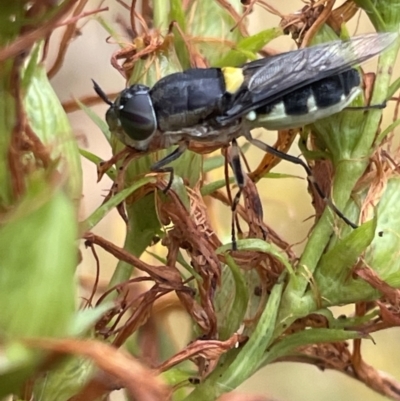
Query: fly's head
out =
(132, 112)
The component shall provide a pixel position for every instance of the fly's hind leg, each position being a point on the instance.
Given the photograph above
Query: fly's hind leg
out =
(378, 106)
(295, 160)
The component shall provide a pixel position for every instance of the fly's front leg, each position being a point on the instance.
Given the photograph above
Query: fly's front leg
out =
(119, 181)
(160, 166)
(295, 160)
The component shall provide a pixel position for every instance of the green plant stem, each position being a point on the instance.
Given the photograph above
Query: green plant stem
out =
(241, 364)
(143, 224)
(370, 7)
(347, 173)
(293, 303)
(381, 86)
(7, 122)
(160, 14)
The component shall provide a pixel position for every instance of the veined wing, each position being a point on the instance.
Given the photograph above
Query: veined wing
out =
(268, 79)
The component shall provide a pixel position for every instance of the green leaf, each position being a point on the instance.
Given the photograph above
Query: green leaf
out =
(382, 135)
(110, 29)
(64, 381)
(86, 318)
(176, 376)
(114, 201)
(258, 245)
(393, 88)
(257, 41)
(280, 175)
(37, 284)
(333, 275)
(12, 19)
(189, 167)
(179, 188)
(231, 300)
(18, 363)
(381, 255)
(49, 122)
(96, 119)
(164, 62)
(212, 163)
(290, 343)
(38, 247)
(7, 124)
(214, 186)
(248, 47)
(143, 226)
(111, 172)
(347, 322)
(336, 263)
(177, 13)
(214, 35)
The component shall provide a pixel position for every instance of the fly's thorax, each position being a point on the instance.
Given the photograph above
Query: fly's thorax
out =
(188, 98)
(308, 104)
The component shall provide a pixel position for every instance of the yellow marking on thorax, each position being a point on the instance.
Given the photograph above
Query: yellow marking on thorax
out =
(233, 78)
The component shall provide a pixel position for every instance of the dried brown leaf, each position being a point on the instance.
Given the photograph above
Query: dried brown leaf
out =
(371, 277)
(26, 40)
(325, 356)
(141, 382)
(375, 379)
(390, 317)
(161, 274)
(210, 350)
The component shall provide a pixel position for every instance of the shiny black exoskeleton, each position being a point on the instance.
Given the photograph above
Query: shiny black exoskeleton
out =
(176, 101)
(287, 90)
(218, 105)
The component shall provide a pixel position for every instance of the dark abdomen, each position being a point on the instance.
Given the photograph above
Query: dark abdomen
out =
(310, 103)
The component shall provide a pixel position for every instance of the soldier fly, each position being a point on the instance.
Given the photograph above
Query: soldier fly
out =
(215, 106)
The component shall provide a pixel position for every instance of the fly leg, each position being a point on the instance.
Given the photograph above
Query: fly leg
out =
(295, 160)
(378, 106)
(240, 178)
(160, 166)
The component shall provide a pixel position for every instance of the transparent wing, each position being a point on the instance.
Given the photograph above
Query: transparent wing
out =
(270, 78)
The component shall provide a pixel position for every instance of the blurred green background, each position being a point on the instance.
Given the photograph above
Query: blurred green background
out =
(286, 202)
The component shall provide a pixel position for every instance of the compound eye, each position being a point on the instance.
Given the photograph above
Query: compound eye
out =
(136, 113)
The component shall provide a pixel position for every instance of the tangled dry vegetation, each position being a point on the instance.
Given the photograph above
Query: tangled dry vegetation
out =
(252, 306)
